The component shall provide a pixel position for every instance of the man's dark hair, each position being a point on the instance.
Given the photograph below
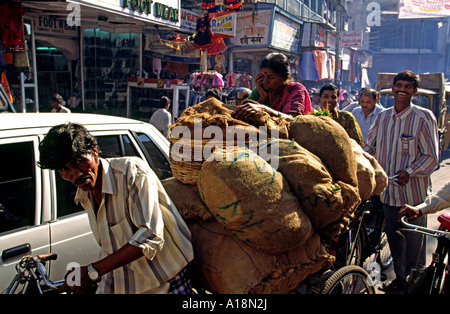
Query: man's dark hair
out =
(64, 143)
(369, 92)
(330, 87)
(408, 76)
(164, 101)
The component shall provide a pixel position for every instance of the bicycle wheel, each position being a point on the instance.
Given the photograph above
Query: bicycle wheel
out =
(350, 279)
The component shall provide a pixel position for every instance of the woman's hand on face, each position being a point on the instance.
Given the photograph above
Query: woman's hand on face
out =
(259, 83)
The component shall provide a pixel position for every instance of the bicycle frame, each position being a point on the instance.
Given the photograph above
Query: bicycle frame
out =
(437, 265)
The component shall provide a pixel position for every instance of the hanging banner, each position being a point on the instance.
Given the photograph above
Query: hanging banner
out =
(223, 24)
(414, 9)
(170, 50)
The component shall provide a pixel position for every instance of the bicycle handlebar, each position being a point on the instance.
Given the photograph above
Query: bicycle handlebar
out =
(419, 229)
(41, 269)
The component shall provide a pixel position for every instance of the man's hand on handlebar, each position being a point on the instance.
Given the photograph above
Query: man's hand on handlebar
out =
(410, 212)
(71, 286)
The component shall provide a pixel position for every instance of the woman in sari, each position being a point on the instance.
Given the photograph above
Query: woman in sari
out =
(276, 92)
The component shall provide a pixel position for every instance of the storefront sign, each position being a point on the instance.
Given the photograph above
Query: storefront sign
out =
(252, 29)
(169, 50)
(165, 12)
(55, 26)
(188, 21)
(286, 34)
(223, 24)
(351, 39)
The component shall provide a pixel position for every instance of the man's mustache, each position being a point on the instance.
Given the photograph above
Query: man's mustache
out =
(82, 179)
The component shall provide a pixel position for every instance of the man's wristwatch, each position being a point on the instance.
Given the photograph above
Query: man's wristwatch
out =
(93, 273)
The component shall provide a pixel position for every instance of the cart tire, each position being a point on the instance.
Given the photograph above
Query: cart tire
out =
(350, 279)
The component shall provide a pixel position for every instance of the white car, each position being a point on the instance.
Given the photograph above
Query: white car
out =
(37, 211)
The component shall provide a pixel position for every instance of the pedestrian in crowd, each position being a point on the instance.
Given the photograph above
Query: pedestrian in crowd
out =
(275, 91)
(404, 141)
(213, 93)
(328, 99)
(162, 118)
(368, 110)
(56, 101)
(432, 204)
(355, 104)
(314, 95)
(345, 101)
(145, 244)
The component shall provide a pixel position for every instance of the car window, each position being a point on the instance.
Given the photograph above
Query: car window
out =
(116, 146)
(161, 165)
(17, 185)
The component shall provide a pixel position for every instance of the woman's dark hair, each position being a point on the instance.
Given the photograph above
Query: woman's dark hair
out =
(64, 143)
(278, 63)
(408, 76)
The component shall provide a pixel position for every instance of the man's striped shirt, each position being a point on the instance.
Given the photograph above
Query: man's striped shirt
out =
(135, 209)
(405, 141)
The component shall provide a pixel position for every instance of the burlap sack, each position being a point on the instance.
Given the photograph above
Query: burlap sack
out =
(263, 118)
(253, 201)
(329, 141)
(226, 265)
(381, 178)
(186, 199)
(211, 112)
(201, 129)
(364, 171)
(310, 181)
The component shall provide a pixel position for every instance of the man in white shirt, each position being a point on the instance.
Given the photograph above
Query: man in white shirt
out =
(162, 118)
(368, 110)
(56, 104)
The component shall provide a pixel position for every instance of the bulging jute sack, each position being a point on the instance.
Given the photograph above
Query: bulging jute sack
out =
(364, 171)
(381, 178)
(226, 265)
(329, 141)
(186, 199)
(310, 181)
(253, 201)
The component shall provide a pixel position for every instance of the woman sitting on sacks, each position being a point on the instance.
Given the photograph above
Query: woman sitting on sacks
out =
(276, 92)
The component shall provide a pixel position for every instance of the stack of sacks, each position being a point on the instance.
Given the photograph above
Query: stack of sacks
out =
(255, 228)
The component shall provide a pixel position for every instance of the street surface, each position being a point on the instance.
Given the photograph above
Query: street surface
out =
(438, 178)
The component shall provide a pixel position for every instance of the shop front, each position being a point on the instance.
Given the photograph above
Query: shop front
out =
(86, 50)
(259, 31)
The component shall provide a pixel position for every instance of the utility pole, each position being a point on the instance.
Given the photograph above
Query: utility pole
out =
(337, 65)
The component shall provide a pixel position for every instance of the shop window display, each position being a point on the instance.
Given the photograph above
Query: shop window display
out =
(109, 59)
